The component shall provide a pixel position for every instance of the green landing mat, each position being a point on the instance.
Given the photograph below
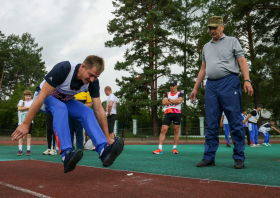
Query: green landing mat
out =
(262, 164)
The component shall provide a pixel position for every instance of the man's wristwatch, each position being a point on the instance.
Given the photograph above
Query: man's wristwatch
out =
(247, 80)
(168, 99)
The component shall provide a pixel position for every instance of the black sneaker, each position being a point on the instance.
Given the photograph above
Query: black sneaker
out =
(228, 145)
(111, 152)
(71, 159)
(239, 164)
(205, 163)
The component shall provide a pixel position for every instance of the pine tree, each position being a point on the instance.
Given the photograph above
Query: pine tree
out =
(143, 26)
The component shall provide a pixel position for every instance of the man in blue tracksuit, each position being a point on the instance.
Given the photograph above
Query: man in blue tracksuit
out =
(220, 58)
(55, 95)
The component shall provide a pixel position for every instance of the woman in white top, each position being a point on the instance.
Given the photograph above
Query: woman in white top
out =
(23, 107)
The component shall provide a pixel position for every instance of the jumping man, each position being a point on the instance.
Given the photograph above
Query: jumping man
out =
(55, 95)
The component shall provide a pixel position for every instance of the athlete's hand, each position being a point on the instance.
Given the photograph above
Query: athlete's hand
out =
(110, 141)
(193, 94)
(248, 87)
(21, 131)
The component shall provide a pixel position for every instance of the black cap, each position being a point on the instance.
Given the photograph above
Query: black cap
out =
(173, 83)
(260, 105)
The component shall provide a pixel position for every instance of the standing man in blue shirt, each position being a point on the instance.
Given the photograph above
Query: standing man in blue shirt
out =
(220, 59)
(55, 95)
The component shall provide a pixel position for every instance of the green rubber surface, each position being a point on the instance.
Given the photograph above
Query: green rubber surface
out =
(262, 165)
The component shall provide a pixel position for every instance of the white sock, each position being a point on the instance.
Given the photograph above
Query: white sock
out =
(28, 148)
(20, 147)
(160, 147)
(174, 146)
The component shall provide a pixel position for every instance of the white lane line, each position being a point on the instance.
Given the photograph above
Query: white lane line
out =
(24, 190)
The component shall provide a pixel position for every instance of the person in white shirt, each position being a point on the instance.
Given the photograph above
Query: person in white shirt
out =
(253, 119)
(23, 107)
(244, 115)
(264, 129)
(111, 110)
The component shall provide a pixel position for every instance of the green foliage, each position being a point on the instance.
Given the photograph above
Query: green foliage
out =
(144, 25)
(20, 63)
(21, 68)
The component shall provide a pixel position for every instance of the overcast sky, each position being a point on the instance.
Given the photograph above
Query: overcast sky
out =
(67, 30)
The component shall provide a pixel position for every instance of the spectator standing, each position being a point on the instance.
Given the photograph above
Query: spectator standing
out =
(220, 59)
(172, 101)
(50, 136)
(244, 115)
(111, 110)
(23, 107)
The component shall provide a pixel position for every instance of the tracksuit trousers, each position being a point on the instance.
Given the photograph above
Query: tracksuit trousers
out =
(226, 131)
(78, 111)
(254, 134)
(223, 95)
(266, 137)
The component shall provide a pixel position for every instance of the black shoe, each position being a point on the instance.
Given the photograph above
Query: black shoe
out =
(111, 152)
(205, 163)
(239, 164)
(228, 145)
(71, 159)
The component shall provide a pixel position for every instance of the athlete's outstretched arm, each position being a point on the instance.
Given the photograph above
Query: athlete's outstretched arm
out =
(275, 129)
(23, 129)
(101, 118)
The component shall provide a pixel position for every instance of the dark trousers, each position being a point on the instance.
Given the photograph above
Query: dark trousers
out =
(223, 95)
(246, 132)
(77, 127)
(50, 132)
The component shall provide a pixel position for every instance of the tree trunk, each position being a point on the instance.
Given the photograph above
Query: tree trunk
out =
(2, 77)
(155, 121)
(255, 82)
